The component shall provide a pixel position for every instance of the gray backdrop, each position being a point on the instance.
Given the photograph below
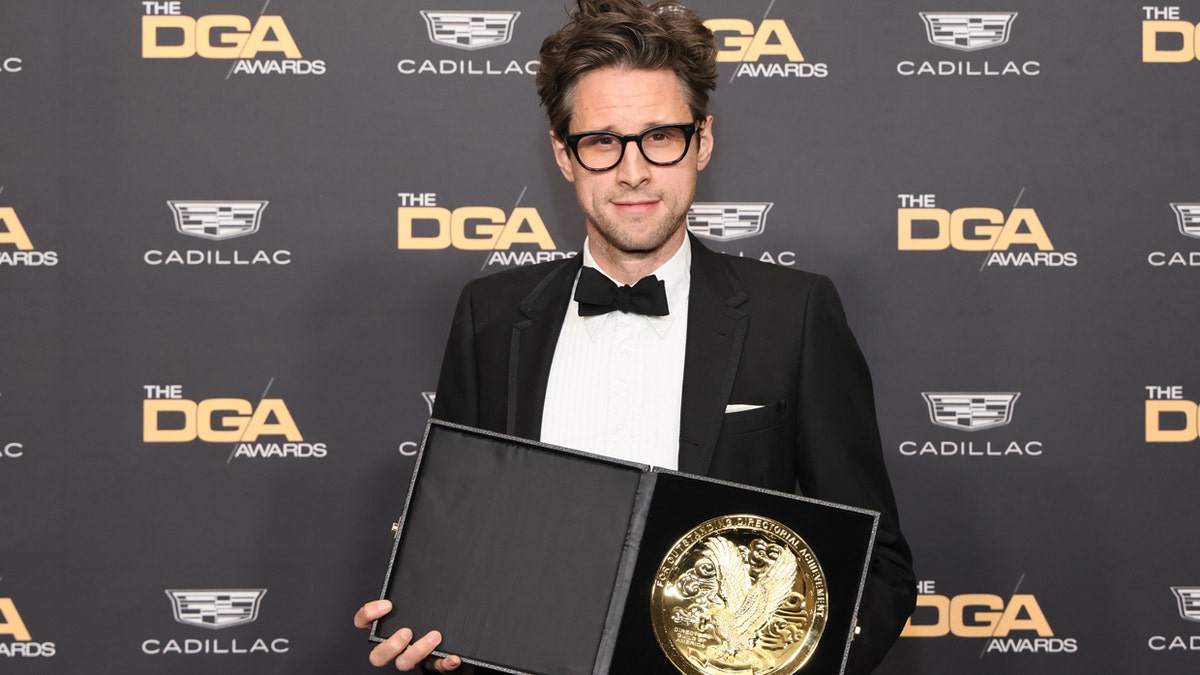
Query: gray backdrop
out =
(1036, 380)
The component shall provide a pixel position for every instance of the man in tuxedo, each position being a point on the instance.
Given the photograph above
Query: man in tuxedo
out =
(650, 347)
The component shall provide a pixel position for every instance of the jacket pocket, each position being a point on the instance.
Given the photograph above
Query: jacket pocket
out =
(758, 418)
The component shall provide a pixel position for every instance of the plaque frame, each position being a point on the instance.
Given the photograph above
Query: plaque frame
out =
(531, 558)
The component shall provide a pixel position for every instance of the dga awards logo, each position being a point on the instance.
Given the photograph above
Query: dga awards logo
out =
(971, 412)
(724, 222)
(511, 237)
(1170, 416)
(1188, 600)
(215, 609)
(16, 247)
(217, 221)
(1013, 625)
(1167, 37)
(262, 428)
(968, 32)
(763, 49)
(1012, 238)
(16, 640)
(468, 31)
(1187, 219)
(260, 44)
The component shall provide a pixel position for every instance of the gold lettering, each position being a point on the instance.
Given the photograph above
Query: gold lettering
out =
(1154, 431)
(13, 232)
(152, 410)
(229, 41)
(284, 425)
(1152, 29)
(152, 27)
(13, 625)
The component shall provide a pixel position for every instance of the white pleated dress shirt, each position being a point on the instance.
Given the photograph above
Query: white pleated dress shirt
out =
(616, 381)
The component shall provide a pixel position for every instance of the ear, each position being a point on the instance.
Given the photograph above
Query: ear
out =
(562, 155)
(704, 137)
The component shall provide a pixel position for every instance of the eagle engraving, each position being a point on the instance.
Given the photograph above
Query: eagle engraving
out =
(745, 606)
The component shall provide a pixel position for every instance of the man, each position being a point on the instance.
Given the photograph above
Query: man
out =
(749, 373)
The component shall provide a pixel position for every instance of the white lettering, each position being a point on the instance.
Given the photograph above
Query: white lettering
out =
(968, 68)
(465, 67)
(193, 257)
(970, 449)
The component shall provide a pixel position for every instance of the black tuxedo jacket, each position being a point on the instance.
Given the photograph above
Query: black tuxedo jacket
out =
(756, 334)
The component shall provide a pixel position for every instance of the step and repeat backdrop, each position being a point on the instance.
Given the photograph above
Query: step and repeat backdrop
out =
(232, 233)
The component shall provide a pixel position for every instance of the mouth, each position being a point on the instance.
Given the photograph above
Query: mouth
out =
(634, 206)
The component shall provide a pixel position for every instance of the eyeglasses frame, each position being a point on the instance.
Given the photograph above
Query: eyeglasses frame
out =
(689, 128)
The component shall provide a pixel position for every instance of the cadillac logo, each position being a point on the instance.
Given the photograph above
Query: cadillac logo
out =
(469, 30)
(216, 608)
(726, 221)
(217, 220)
(970, 411)
(1189, 601)
(968, 31)
(1188, 216)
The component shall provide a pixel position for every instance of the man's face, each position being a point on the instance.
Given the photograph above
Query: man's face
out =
(634, 207)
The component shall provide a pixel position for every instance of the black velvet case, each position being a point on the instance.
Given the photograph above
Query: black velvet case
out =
(535, 559)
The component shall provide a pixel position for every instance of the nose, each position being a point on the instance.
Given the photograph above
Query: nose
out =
(633, 169)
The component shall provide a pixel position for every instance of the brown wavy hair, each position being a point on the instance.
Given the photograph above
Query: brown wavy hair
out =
(626, 34)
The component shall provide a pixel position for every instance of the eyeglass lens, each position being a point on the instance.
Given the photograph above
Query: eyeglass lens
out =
(662, 145)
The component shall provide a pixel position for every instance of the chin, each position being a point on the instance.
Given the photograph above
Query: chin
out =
(637, 240)
(642, 246)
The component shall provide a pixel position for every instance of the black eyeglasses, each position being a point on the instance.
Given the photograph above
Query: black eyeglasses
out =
(663, 145)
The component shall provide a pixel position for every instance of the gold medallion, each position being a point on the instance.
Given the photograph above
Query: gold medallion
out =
(739, 594)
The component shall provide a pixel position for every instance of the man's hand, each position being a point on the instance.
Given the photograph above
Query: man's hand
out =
(400, 647)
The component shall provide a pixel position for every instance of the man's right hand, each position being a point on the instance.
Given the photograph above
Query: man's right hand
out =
(400, 648)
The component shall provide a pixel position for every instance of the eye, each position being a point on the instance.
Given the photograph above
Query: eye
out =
(599, 142)
(669, 136)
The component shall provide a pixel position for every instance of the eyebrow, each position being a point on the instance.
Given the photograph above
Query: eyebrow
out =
(612, 130)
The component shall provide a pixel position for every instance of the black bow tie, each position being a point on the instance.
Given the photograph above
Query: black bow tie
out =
(597, 294)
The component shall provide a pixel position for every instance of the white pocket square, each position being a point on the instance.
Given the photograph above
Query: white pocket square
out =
(741, 407)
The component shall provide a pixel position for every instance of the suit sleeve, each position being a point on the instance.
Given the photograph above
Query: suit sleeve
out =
(457, 397)
(840, 458)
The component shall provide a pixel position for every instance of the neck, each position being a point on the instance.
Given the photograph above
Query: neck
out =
(628, 267)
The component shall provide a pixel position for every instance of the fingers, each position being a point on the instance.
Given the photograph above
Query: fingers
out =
(444, 665)
(400, 647)
(407, 653)
(371, 611)
(389, 649)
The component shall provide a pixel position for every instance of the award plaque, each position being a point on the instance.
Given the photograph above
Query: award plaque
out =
(535, 559)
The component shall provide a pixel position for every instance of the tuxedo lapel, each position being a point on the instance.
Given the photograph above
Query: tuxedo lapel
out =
(715, 333)
(531, 350)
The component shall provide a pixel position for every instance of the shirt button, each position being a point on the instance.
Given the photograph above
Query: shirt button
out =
(620, 427)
